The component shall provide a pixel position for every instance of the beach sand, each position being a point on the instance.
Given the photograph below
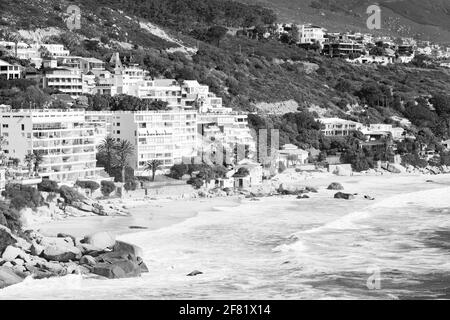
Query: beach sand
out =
(155, 214)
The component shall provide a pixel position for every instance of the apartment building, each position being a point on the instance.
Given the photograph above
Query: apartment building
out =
(336, 127)
(66, 80)
(10, 71)
(311, 34)
(64, 138)
(342, 49)
(56, 50)
(229, 129)
(168, 136)
(167, 90)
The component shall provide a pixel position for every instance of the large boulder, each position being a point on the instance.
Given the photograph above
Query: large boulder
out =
(11, 253)
(88, 260)
(61, 253)
(346, 196)
(100, 240)
(8, 277)
(6, 239)
(335, 186)
(51, 241)
(117, 269)
(121, 246)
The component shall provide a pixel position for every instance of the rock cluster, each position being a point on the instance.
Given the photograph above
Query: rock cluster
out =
(41, 257)
(431, 170)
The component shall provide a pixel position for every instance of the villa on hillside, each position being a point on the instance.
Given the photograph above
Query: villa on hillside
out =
(290, 155)
(10, 71)
(336, 127)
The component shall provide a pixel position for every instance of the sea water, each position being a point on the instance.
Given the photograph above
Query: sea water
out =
(284, 248)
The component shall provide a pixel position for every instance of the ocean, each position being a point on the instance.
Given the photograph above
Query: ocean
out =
(284, 248)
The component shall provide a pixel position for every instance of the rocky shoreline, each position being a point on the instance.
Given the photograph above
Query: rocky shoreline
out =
(34, 255)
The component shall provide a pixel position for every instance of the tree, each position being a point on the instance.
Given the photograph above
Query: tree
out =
(123, 152)
(29, 160)
(108, 147)
(38, 159)
(216, 34)
(107, 187)
(153, 166)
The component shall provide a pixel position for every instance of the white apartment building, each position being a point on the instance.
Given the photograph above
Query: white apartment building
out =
(336, 127)
(56, 50)
(230, 129)
(69, 81)
(68, 144)
(168, 136)
(167, 90)
(10, 71)
(311, 34)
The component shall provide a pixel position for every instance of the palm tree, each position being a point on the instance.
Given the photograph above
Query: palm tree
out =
(38, 159)
(29, 160)
(107, 147)
(123, 151)
(153, 166)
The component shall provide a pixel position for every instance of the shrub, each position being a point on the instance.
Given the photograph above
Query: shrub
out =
(91, 185)
(130, 185)
(48, 186)
(107, 187)
(70, 195)
(9, 217)
(23, 196)
(197, 183)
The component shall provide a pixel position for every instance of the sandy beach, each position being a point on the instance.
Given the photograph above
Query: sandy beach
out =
(154, 214)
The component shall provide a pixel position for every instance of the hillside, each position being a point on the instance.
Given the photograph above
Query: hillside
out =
(244, 72)
(426, 20)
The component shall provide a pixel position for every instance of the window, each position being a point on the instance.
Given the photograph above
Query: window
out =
(23, 127)
(5, 126)
(118, 131)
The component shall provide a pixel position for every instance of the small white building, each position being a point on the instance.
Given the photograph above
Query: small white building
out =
(290, 155)
(10, 71)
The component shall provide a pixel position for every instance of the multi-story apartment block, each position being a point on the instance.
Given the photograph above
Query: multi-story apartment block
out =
(336, 127)
(168, 136)
(342, 49)
(69, 81)
(63, 137)
(10, 71)
(311, 34)
(233, 130)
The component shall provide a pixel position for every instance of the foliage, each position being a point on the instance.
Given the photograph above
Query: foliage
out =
(10, 217)
(107, 187)
(153, 166)
(130, 185)
(48, 186)
(70, 195)
(197, 183)
(91, 185)
(22, 196)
